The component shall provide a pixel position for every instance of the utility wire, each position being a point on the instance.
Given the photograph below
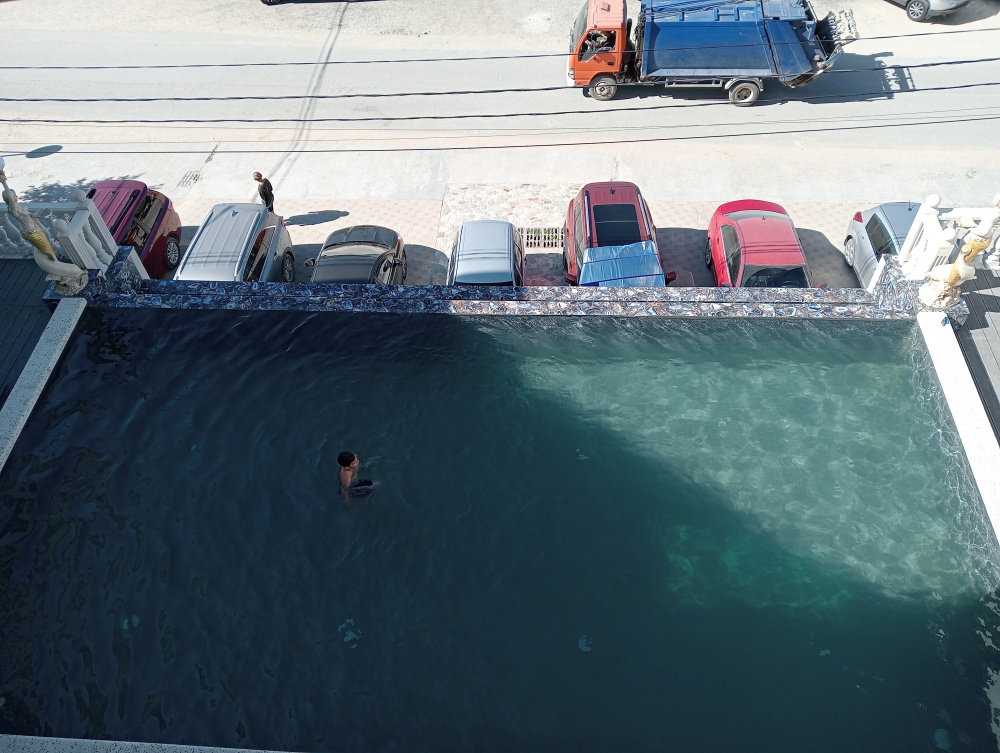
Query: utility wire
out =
(484, 147)
(385, 95)
(410, 118)
(527, 56)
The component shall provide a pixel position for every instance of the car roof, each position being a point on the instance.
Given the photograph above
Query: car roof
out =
(345, 268)
(484, 253)
(612, 192)
(221, 242)
(117, 200)
(768, 237)
(899, 216)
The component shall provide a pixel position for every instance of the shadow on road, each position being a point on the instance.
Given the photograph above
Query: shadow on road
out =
(316, 218)
(682, 249)
(972, 12)
(826, 262)
(425, 265)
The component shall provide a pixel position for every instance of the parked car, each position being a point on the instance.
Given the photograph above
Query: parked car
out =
(604, 214)
(752, 244)
(142, 218)
(922, 10)
(361, 254)
(875, 232)
(241, 242)
(487, 252)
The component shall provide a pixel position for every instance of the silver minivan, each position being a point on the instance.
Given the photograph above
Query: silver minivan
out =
(487, 252)
(241, 242)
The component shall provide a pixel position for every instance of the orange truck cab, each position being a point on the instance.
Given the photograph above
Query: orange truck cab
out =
(599, 45)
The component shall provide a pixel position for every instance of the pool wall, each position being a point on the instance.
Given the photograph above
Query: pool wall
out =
(894, 297)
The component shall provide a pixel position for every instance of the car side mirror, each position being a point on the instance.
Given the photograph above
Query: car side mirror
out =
(310, 262)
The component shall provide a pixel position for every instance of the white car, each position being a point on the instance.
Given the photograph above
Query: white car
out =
(877, 231)
(922, 10)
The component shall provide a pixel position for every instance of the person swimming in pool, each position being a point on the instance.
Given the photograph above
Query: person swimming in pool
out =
(350, 484)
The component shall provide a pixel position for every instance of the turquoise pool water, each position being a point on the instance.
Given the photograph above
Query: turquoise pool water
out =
(589, 535)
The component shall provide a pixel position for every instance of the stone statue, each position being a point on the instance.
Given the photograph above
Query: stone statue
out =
(69, 278)
(941, 289)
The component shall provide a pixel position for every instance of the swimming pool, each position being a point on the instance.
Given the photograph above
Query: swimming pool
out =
(589, 535)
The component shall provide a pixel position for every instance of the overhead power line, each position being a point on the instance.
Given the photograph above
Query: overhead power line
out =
(489, 147)
(484, 116)
(467, 58)
(384, 95)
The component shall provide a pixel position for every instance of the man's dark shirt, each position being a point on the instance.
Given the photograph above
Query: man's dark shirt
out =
(266, 192)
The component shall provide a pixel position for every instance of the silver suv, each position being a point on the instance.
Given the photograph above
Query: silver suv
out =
(241, 242)
(487, 252)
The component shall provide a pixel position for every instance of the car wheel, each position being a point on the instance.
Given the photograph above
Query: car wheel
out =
(172, 253)
(270, 2)
(744, 93)
(850, 250)
(708, 254)
(287, 268)
(603, 88)
(918, 10)
(403, 278)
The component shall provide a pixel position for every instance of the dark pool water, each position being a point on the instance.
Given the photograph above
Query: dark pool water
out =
(589, 535)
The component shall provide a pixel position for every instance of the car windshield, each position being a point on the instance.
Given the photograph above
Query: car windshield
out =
(774, 277)
(616, 224)
(579, 27)
(344, 269)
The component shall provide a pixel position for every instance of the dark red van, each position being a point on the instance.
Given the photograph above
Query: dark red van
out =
(612, 213)
(141, 218)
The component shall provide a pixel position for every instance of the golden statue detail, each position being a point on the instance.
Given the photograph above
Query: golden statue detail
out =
(941, 289)
(69, 278)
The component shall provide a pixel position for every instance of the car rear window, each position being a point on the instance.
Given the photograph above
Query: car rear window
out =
(616, 224)
(774, 277)
(370, 234)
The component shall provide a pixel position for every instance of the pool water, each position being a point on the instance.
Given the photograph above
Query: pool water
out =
(589, 535)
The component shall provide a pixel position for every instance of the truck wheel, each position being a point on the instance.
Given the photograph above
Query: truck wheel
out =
(744, 93)
(918, 10)
(603, 88)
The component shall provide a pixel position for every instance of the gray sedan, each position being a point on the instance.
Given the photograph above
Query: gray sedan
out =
(875, 232)
(921, 10)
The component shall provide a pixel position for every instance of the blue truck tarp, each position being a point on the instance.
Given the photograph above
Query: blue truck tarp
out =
(749, 38)
(633, 266)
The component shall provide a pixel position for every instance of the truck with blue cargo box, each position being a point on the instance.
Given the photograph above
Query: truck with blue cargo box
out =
(736, 45)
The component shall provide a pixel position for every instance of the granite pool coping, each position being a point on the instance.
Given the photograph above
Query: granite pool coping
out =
(893, 297)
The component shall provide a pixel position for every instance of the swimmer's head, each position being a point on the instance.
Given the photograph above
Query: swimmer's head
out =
(346, 459)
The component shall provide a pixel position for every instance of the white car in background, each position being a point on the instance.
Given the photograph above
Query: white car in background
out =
(922, 10)
(877, 231)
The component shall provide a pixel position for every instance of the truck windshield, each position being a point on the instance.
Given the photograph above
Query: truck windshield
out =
(579, 27)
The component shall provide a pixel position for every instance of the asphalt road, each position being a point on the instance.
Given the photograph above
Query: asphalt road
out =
(862, 133)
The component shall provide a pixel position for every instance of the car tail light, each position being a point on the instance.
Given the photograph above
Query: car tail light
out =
(857, 216)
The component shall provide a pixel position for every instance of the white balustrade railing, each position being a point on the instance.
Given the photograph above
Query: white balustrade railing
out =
(936, 235)
(75, 228)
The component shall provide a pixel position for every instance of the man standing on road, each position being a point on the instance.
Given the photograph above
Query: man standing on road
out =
(265, 191)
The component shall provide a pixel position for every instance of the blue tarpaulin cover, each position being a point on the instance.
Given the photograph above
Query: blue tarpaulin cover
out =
(634, 266)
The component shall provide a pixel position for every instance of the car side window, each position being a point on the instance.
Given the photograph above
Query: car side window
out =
(384, 274)
(731, 245)
(881, 243)
(258, 255)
